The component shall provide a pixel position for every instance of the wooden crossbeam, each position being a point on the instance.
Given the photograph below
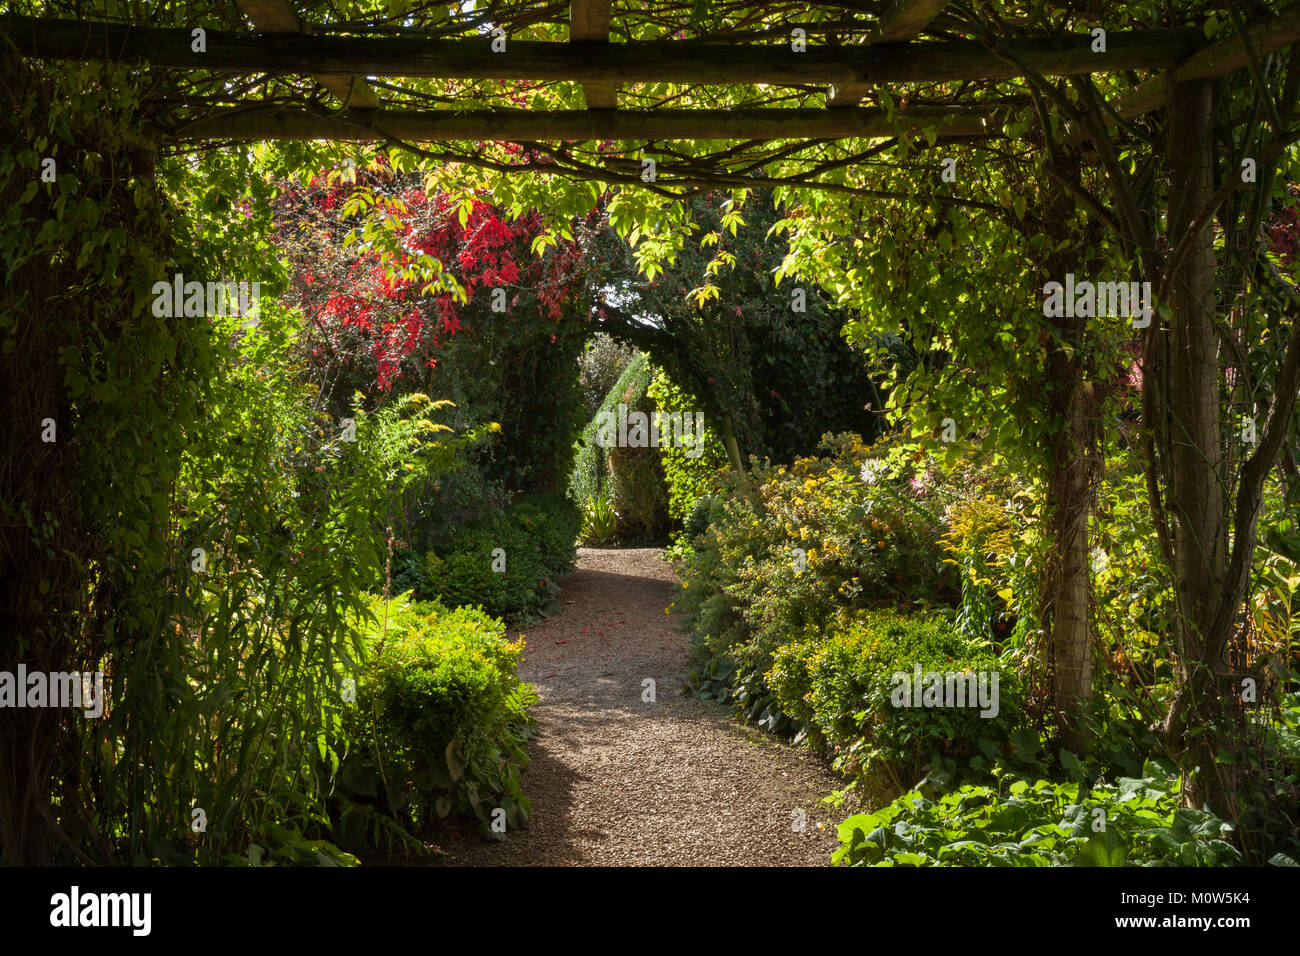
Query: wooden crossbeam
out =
(1226, 56)
(901, 21)
(589, 23)
(655, 62)
(1216, 60)
(276, 16)
(279, 123)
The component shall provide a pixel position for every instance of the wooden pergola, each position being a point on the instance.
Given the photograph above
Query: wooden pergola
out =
(831, 80)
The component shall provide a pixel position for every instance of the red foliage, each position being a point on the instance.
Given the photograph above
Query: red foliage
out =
(360, 301)
(1283, 231)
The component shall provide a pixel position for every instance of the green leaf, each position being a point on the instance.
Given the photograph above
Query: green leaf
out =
(1071, 765)
(1102, 849)
(455, 761)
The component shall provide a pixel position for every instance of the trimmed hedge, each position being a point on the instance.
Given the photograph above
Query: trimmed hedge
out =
(631, 480)
(688, 479)
(590, 477)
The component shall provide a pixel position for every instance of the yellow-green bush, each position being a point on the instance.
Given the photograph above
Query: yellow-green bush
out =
(439, 724)
(787, 549)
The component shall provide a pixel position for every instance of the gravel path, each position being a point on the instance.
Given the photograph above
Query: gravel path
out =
(618, 781)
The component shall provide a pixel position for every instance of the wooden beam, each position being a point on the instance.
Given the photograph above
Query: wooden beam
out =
(904, 19)
(276, 16)
(901, 21)
(1211, 62)
(1226, 56)
(589, 23)
(271, 16)
(277, 123)
(656, 62)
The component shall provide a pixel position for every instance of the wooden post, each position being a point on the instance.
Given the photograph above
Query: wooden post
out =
(901, 21)
(589, 23)
(275, 16)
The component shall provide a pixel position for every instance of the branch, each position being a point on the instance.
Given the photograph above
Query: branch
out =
(1250, 491)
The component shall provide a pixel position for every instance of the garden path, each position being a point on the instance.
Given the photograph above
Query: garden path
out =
(618, 781)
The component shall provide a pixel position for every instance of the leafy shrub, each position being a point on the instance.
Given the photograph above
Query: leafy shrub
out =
(1043, 823)
(787, 549)
(838, 687)
(633, 478)
(464, 496)
(536, 537)
(687, 478)
(440, 721)
(697, 522)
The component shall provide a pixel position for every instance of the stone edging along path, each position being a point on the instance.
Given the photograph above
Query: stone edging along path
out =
(617, 781)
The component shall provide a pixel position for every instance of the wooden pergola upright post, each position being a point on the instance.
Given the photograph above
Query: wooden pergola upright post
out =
(589, 23)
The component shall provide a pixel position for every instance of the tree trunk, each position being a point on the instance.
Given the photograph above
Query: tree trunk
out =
(1196, 480)
(1192, 439)
(1073, 467)
(1068, 585)
(729, 442)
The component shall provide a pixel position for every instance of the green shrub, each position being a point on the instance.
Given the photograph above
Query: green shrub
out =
(633, 478)
(1043, 823)
(440, 721)
(463, 496)
(838, 687)
(787, 549)
(536, 537)
(687, 478)
(697, 522)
